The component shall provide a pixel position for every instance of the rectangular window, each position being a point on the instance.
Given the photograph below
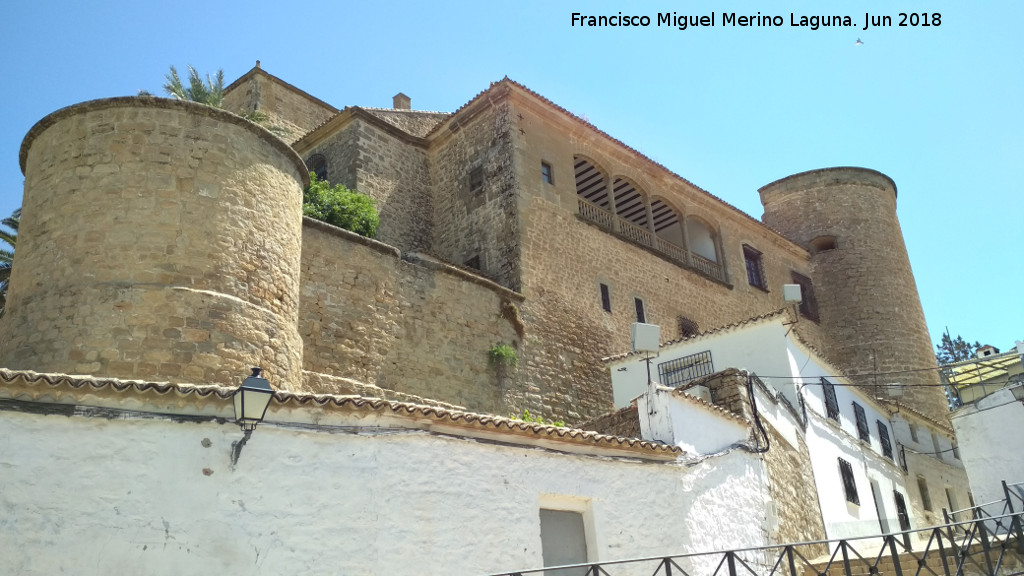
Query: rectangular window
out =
(901, 511)
(755, 268)
(675, 373)
(922, 487)
(476, 180)
(808, 304)
(545, 173)
(954, 506)
(606, 298)
(831, 403)
(913, 433)
(863, 432)
(640, 316)
(883, 438)
(849, 483)
(563, 540)
(935, 446)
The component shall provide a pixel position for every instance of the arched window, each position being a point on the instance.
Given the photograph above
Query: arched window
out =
(666, 223)
(630, 203)
(317, 164)
(591, 185)
(700, 239)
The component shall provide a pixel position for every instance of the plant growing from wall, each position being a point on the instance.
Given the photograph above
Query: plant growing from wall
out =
(537, 419)
(340, 207)
(503, 355)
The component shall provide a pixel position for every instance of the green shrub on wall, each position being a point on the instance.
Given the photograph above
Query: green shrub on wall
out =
(340, 207)
(503, 355)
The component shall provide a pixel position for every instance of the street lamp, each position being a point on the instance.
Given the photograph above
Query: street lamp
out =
(251, 401)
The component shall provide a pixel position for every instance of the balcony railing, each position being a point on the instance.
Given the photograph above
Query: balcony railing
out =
(643, 236)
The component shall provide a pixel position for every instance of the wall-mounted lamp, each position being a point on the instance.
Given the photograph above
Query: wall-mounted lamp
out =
(251, 401)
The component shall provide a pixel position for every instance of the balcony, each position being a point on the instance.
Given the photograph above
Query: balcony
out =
(642, 236)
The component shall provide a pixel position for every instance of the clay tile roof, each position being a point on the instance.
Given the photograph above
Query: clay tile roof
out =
(58, 382)
(705, 334)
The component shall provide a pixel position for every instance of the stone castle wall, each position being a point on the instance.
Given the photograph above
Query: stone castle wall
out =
(418, 328)
(388, 166)
(286, 107)
(864, 286)
(477, 223)
(159, 240)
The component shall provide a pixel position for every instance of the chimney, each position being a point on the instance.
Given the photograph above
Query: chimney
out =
(402, 102)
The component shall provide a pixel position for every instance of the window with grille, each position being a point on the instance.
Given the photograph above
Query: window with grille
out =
(849, 483)
(831, 402)
(606, 298)
(317, 164)
(808, 304)
(476, 180)
(545, 173)
(862, 423)
(677, 372)
(640, 316)
(883, 438)
(687, 327)
(755, 268)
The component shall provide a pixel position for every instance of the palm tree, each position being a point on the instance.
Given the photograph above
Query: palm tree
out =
(8, 235)
(211, 92)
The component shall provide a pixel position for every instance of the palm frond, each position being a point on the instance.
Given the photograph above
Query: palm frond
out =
(173, 86)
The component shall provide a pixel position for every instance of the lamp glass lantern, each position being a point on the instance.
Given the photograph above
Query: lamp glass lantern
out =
(251, 400)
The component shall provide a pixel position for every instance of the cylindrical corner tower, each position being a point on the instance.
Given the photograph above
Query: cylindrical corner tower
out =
(870, 311)
(159, 240)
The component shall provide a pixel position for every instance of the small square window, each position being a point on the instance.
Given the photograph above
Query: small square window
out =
(755, 268)
(606, 298)
(476, 180)
(640, 316)
(687, 327)
(545, 173)
(849, 483)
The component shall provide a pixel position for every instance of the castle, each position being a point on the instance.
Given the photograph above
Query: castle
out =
(164, 241)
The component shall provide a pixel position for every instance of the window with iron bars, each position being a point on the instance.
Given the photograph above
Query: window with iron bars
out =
(883, 438)
(849, 484)
(675, 373)
(862, 423)
(831, 402)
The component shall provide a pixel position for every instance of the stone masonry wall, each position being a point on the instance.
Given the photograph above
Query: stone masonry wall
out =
(287, 108)
(565, 259)
(865, 287)
(415, 328)
(479, 223)
(369, 159)
(791, 487)
(414, 122)
(159, 240)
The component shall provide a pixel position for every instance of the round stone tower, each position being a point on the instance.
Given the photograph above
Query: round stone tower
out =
(159, 240)
(871, 319)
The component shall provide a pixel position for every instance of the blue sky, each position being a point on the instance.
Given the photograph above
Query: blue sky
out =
(940, 109)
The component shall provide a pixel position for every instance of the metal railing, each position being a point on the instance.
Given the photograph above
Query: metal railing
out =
(675, 373)
(989, 546)
(643, 236)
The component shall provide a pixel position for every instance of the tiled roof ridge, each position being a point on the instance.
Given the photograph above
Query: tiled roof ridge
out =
(442, 415)
(588, 124)
(404, 111)
(701, 335)
(252, 71)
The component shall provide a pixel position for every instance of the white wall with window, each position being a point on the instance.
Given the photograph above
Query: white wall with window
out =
(991, 435)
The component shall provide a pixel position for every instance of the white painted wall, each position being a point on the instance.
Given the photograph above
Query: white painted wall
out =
(756, 348)
(693, 427)
(991, 434)
(103, 496)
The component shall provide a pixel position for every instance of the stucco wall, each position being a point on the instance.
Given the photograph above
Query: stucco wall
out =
(422, 329)
(990, 445)
(131, 495)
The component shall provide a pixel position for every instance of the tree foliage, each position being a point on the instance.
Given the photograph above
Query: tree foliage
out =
(954, 350)
(340, 207)
(210, 92)
(8, 235)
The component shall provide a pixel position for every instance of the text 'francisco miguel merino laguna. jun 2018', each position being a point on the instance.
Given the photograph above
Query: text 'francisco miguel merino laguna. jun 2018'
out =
(758, 20)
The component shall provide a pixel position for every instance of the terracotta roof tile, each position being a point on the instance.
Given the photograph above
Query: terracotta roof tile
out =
(355, 403)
